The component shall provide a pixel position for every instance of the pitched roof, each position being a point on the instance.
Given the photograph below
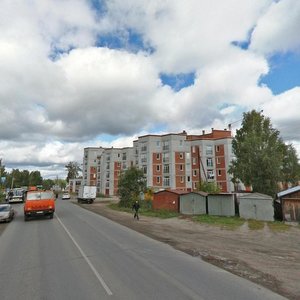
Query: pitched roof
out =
(288, 191)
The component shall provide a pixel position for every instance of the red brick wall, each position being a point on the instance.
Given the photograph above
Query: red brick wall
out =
(166, 200)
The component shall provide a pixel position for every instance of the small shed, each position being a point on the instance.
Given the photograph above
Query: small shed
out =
(221, 204)
(167, 199)
(256, 206)
(193, 203)
(290, 204)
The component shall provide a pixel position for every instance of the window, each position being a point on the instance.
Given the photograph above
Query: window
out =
(144, 148)
(181, 167)
(194, 149)
(107, 184)
(157, 144)
(157, 168)
(210, 174)
(181, 179)
(166, 168)
(218, 160)
(181, 155)
(143, 158)
(166, 181)
(209, 150)
(195, 185)
(158, 156)
(219, 172)
(180, 142)
(166, 145)
(144, 168)
(194, 173)
(119, 155)
(209, 162)
(165, 157)
(194, 160)
(157, 179)
(188, 178)
(188, 156)
(217, 148)
(124, 156)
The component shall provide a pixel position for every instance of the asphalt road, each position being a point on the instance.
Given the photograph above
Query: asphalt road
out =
(81, 255)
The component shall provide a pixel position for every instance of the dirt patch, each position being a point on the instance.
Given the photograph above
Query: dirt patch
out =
(271, 259)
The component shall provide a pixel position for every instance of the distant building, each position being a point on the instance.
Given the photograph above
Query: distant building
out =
(171, 161)
(74, 185)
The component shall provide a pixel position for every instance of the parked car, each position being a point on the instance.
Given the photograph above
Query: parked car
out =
(39, 203)
(6, 213)
(65, 196)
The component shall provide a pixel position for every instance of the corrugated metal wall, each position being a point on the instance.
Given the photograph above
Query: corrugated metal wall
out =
(192, 204)
(256, 209)
(221, 205)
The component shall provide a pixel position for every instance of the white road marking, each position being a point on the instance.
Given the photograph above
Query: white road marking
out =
(99, 277)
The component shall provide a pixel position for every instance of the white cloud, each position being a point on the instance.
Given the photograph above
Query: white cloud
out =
(53, 104)
(283, 111)
(278, 29)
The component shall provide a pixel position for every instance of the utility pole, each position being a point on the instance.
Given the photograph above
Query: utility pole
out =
(0, 175)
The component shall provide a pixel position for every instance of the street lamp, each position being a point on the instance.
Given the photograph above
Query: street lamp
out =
(230, 124)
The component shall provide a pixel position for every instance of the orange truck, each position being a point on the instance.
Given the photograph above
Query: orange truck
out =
(39, 203)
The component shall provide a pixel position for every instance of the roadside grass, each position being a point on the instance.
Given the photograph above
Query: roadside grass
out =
(230, 223)
(278, 226)
(255, 225)
(144, 211)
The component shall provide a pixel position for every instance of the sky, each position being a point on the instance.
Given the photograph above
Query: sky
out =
(91, 73)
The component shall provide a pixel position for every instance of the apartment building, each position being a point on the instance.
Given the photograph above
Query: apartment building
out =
(180, 161)
(211, 156)
(74, 185)
(89, 166)
(170, 161)
(110, 163)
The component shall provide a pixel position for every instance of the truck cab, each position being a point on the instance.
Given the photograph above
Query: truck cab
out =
(39, 203)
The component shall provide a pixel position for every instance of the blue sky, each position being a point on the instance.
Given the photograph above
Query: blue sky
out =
(110, 71)
(284, 72)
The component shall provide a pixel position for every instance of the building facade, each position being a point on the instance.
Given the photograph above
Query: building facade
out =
(171, 161)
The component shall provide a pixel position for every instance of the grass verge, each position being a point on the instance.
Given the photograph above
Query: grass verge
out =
(163, 214)
(231, 223)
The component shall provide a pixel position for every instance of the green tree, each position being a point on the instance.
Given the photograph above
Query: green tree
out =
(131, 183)
(73, 170)
(35, 178)
(208, 187)
(290, 167)
(48, 183)
(259, 154)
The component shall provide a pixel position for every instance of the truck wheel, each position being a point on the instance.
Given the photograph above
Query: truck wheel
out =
(25, 218)
(51, 216)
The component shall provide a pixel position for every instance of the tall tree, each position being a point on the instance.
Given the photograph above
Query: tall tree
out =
(48, 184)
(259, 154)
(73, 170)
(130, 184)
(290, 167)
(35, 178)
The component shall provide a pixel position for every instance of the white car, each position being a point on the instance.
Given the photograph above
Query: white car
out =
(65, 196)
(6, 213)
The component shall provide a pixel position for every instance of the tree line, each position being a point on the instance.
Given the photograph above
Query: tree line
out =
(22, 178)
